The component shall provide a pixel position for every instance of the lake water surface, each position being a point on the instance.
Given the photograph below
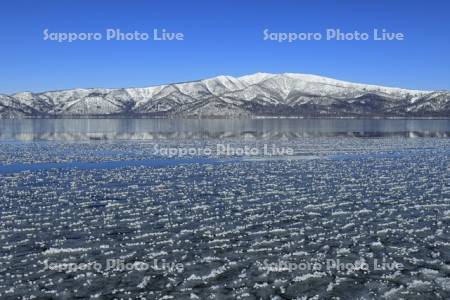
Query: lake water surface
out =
(74, 129)
(91, 191)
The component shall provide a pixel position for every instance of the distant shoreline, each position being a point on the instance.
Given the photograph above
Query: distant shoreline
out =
(106, 117)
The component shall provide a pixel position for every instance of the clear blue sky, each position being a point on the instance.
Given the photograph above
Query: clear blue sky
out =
(221, 37)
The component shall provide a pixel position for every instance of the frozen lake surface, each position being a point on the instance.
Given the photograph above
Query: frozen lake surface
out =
(360, 210)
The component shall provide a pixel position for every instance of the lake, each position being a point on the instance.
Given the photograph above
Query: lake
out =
(324, 208)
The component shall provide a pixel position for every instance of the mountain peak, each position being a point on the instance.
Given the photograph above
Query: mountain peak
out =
(255, 78)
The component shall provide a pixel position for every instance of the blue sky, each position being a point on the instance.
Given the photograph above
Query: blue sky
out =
(221, 37)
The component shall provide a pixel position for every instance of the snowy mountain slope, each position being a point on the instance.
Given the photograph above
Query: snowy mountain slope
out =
(260, 94)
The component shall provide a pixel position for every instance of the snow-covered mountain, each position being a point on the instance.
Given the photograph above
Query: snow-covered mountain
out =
(260, 94)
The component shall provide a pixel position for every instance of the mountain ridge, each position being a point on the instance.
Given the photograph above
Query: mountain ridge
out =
(259, 94)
